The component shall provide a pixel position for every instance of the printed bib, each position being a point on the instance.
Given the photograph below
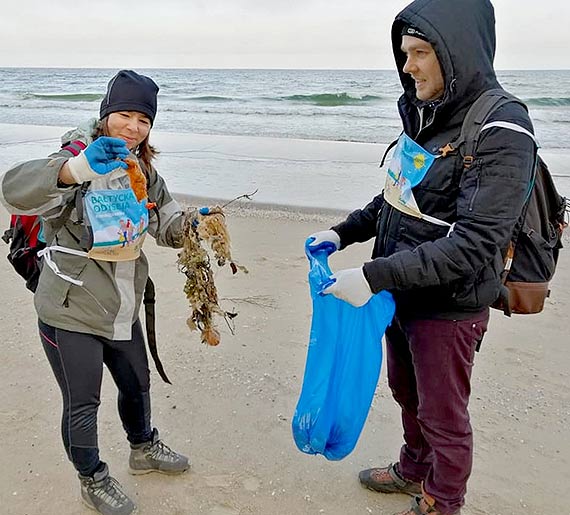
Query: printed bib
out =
(119, 224)
(410, 164)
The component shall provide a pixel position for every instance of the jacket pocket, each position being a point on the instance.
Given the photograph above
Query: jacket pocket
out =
(488, 194)
(534, 258)
(440, 177)
(55, 287)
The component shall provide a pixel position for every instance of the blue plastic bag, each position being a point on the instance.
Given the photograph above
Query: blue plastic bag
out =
(343, 365)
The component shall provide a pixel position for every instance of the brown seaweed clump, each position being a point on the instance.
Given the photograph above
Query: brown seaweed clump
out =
(206, 225)
(137, 179)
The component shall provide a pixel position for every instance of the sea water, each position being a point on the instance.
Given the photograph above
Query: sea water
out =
(284, 118)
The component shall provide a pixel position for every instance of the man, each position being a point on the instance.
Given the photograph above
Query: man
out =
(441, 226)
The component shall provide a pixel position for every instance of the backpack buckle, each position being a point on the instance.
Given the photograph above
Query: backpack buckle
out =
(468, 161)
(8, 235)
(447, 149)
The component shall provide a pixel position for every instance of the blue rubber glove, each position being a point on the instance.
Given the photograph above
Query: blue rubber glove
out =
(323, 239)
(99, 158)
(351, 286)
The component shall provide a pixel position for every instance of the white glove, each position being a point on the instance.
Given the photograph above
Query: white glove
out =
(350, 286)
(99, 158)
(321, 237)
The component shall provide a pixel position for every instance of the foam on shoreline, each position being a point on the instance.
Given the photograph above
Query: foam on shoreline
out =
(289, 175)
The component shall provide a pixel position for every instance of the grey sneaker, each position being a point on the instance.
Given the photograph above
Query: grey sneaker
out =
(104, 494)
(156, 456)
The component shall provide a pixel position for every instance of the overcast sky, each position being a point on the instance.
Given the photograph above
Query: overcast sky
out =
(251, 33)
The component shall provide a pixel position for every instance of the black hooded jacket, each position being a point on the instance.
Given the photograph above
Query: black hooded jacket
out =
(433, 274)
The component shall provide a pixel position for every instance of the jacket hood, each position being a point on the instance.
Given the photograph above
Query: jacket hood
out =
(463, 36)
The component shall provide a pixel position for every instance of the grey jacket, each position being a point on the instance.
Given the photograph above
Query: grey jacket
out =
(108, 302)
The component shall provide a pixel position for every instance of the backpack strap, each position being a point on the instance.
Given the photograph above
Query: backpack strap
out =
(149, 301)
(76, 203)
(473, 124)
(79, 201)
(474, 121)
(75, 147)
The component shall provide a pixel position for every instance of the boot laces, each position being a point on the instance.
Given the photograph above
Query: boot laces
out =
(109, 492)
(161, 452)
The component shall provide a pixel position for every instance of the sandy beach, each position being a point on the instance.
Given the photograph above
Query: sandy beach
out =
(230, 407)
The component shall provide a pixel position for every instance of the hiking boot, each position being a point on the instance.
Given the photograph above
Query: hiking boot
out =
(388, 481)
(104, 494)
(156, 456)
(424, 505)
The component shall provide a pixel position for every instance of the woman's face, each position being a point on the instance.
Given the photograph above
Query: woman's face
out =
(130, 126)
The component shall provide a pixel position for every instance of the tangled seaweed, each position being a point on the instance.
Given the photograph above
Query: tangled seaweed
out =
(206, 225)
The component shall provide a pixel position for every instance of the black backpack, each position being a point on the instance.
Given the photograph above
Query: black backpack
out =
(532, 254)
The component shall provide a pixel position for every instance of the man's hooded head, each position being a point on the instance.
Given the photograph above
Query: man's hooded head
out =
(462, 34)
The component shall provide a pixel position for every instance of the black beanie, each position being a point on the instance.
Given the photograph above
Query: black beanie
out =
(129, 91)
(408, 30)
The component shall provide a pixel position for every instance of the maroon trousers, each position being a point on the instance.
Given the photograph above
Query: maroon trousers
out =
(429, 373)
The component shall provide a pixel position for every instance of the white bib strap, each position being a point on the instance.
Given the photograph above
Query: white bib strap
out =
(46, 254)
(434, 220)
(437, 221)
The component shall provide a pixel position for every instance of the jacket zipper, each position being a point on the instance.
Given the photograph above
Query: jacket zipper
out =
(428, 122)
(66, 300)
(385, 237)
(477, 185)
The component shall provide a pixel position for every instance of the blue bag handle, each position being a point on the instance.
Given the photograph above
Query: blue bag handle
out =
(320, 272)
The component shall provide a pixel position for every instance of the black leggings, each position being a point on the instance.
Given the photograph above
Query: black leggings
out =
(77, 362)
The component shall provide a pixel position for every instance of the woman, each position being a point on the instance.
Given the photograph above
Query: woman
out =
(90, 288)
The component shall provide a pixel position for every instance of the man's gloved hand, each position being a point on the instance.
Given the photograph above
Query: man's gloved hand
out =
(351, 286)
(321, 239)
(99, 158)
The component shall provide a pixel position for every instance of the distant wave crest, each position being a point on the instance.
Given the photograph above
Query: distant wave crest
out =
(210, 98)
(333, 99)
(274, 113)
(65, 97)
(548, 101)
(318, 99)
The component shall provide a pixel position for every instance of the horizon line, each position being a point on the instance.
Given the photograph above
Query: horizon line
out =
(249, 69)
